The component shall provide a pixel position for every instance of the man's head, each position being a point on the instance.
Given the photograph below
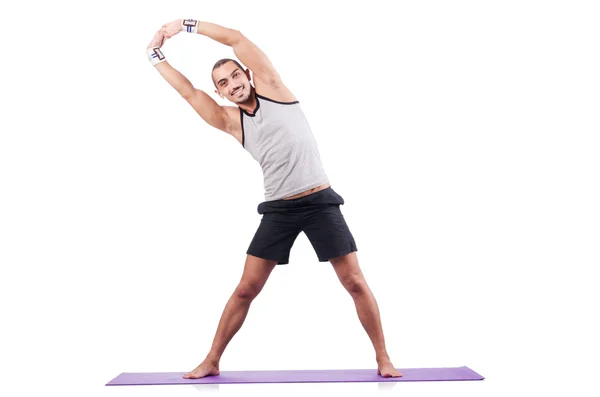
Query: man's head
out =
(231, 80)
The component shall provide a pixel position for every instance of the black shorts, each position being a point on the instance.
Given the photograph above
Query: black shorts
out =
(318, 215)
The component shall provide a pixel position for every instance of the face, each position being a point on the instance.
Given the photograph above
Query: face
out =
(232, 82)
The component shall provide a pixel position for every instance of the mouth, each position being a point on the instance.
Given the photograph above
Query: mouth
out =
(237, 91)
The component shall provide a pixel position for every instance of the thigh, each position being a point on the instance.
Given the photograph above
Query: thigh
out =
(349, 272)
(256, 272)
(329, 233)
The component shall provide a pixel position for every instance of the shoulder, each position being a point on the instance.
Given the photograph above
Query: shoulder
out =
(277, 99)
(276, 91)
(233, 112)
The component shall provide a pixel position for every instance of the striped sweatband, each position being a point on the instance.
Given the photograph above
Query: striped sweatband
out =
(189, 26)
(155, 55)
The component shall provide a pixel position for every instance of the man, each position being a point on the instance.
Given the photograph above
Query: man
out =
(268, 122)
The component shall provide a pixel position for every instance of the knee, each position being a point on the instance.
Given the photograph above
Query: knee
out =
(355, 285)
(246, 291)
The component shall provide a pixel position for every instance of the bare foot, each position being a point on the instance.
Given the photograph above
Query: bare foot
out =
(387, 370)
(207, 368)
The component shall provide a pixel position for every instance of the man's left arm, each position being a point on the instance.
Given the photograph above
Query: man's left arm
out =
(244, 49)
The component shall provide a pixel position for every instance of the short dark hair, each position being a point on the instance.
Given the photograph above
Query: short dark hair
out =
(222, 62)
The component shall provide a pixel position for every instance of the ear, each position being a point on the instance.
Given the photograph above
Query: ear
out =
(218, 93)
(248, 75)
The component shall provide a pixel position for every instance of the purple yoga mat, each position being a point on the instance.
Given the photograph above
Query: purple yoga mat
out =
(296, 376)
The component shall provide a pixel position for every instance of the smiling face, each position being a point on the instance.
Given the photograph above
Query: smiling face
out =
(232, 82)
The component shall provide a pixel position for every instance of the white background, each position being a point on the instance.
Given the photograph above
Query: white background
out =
(463, 136)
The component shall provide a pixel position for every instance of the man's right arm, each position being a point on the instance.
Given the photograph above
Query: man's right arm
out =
(203, 104)
(210, 111)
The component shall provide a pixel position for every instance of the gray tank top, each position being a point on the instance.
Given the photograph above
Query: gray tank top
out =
(278, 136)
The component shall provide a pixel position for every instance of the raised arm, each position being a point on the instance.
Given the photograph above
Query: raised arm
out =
(244, 49)
(210, 111)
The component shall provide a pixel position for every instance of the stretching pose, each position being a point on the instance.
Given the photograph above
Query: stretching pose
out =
(268, 122)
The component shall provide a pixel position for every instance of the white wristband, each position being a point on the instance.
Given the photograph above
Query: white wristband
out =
(189, 26)
(155, 55)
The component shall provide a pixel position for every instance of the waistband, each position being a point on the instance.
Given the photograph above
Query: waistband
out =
(327, 196)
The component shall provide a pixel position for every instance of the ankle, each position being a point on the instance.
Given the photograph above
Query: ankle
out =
(213, 359)
(382, 357)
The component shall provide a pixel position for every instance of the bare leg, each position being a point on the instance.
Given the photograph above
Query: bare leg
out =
(351, 277)
(256, 273)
